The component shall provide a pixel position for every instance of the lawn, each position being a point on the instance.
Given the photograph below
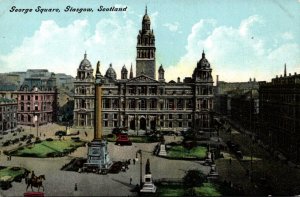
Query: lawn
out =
(207, 189)
(9, 173)
(170, 190)
(48, 148)
(198, 152)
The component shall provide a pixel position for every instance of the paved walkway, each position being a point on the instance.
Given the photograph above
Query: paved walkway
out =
(61, 183)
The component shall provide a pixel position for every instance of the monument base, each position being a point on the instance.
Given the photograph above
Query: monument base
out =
(97, 158)
(148, 186)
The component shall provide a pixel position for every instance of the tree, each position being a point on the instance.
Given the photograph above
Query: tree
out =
(194, 178)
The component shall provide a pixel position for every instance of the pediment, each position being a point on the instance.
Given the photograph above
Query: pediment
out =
(142, 78)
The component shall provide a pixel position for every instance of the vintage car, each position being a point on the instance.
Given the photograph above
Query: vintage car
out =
(123, 139)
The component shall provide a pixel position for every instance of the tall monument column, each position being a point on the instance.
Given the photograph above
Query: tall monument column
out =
(97, 156)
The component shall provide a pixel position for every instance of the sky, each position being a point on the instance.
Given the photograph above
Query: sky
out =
(241, 39)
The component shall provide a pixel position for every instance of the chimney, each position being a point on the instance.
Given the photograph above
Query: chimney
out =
(290, 74)
(178, 80)
(250, 79)
(217, 83)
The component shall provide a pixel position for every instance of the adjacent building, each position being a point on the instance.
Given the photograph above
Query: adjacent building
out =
(8, 114)
(280, 115)
(144, 102)
(37, 100)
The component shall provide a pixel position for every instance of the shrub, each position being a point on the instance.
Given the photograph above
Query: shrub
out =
(49, 139)
(110, 135)
(193, 178)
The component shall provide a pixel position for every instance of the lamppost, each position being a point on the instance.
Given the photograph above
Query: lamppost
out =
(141, 165)
(36, 119)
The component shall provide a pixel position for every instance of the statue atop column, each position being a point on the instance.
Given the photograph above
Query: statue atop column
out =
(147, 169)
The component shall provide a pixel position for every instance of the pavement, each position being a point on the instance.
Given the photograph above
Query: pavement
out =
(62, 183)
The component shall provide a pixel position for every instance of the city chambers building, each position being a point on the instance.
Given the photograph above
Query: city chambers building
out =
(143, 102)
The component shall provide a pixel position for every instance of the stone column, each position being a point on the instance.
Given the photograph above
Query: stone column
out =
(98, 112)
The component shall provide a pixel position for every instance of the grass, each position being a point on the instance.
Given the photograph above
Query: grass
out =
(198, 152)
(8, 172)
(170, 190)
(45, 148)
(207, 189)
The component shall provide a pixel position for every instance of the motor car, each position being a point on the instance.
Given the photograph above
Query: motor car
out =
(60, 133)
(123, 139)
(118, 131)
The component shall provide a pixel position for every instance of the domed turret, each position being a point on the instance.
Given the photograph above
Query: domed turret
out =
(146, 22)
(203, 71)
(85, 64)
(111, 73)
(203, 63)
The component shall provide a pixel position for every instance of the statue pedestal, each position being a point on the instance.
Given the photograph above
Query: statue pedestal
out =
(148, 186)
(98, 157)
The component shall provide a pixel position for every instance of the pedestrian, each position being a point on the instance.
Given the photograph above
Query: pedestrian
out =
(134, 161)
(130, 180)
(75, 188)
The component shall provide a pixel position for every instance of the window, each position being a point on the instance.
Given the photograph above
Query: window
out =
(106, 123)
(115, 116)
(162, 124)
(189, 116)
(36, 97)
(115, 123)
(170, 124)
(189, 124)
(28, 97)
(22, 97)
(170, 116)
(105, 116)
(179, 116)
(180, 124)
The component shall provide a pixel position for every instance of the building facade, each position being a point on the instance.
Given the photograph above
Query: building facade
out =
(84, 95)
(280, 115)
(143, 102)
(37, 101)
(8, 114)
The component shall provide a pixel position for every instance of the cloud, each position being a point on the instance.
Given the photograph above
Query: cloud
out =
(173, 27)
(61, 49)
(236, 53)
(287, 36)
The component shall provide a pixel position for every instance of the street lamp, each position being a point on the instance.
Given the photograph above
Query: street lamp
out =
(141, 165)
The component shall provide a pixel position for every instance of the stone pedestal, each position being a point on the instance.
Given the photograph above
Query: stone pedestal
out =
(98, 157)
(162, 150)
(148, 186)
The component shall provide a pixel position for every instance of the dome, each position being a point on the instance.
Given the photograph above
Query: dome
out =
(85, 64)
(203, 63)
(111, 73)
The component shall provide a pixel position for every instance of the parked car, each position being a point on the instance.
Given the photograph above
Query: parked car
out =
(60, 133)
(123, 139)
(118, 131)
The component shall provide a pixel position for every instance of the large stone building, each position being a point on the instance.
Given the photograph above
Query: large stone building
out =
(144, 102)
(84, 95)
(280, 115)
(8, 114)
(37, 97)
